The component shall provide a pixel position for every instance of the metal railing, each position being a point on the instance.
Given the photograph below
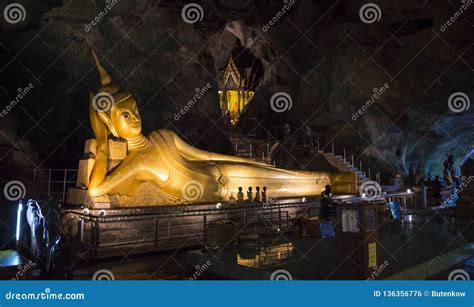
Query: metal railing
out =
(57, 180)
(165, 230)
(406, 199)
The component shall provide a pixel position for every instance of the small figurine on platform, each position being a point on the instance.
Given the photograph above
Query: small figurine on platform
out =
(232, 198)
(264, 195)
(250, 195)
(258, 196)
(240, 196)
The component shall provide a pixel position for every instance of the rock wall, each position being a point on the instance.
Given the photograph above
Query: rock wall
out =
(321, 53)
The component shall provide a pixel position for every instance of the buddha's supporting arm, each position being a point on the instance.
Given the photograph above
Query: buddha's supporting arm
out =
(193, 154)
(117, 179)
(101, 133)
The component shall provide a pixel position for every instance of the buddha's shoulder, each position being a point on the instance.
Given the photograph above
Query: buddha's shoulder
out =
(163, 135)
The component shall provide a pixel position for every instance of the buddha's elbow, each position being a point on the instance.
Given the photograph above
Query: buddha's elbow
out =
(94, 191)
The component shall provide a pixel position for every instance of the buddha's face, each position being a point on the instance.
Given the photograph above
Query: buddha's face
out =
(126, 120)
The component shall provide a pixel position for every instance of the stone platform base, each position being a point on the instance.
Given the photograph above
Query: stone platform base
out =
(123, 232)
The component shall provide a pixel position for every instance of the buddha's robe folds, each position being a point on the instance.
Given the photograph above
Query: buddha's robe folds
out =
(171, 171)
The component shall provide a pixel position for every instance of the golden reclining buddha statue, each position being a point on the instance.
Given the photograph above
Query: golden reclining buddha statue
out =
(162, 169)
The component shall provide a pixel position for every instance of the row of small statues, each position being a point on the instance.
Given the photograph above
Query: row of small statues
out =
(260, 196)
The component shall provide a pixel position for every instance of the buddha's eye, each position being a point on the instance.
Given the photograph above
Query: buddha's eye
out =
(125, 115)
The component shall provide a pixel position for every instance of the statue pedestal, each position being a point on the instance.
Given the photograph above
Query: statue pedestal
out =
(107, 232)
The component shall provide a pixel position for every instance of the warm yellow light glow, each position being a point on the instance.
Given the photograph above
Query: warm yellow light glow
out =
(234, 97)
(162, 169)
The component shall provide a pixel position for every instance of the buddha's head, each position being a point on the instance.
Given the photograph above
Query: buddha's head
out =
(116, 109)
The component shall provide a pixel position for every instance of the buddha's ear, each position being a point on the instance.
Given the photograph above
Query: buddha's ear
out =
(106, 120)
(100, 129)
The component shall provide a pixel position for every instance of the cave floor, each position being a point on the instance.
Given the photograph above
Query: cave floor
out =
(426, 245)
